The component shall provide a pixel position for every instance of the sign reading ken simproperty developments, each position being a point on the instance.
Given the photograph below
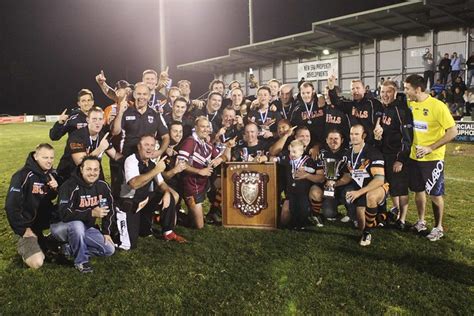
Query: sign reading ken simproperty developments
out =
(318, 70)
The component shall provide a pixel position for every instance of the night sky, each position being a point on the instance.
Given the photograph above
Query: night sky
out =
(53, 48)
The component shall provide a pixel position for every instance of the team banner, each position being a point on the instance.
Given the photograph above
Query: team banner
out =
(318, 70)
(465, 131)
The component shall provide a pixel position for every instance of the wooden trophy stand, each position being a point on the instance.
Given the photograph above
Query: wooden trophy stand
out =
(249, 195)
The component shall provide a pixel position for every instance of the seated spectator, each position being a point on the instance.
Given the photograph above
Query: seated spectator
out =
(458, 83)
(438, 87)
(469, 98)
(444, 96)
(29, 204)
(456, 105)
(84, 199)
(433, 93)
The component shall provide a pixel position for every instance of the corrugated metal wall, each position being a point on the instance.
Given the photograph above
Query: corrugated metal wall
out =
(394, 58)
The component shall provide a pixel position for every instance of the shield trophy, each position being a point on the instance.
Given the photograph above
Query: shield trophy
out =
(249, 192)
(331, 172)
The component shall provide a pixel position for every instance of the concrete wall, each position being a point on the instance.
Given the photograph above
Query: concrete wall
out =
(395, 58)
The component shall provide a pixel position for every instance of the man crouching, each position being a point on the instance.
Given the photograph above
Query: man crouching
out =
(366, 166)
(143, 193)
(29, 205)
(83, 199)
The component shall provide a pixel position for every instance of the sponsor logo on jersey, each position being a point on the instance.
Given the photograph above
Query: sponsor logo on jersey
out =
(89, 201)
(130, 118)
(333, 119)
(76, 146)
(13, 189)
(386, 120)
(420, 126)
(360, 114)
(38, 188)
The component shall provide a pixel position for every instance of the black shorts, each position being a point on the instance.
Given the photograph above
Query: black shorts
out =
(398, 180)
(362, 200)
(426, 176)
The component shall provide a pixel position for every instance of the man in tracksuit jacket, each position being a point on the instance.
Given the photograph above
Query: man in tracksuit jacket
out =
(29, 203)
(394, 136)
(361, 109)
(83, 199)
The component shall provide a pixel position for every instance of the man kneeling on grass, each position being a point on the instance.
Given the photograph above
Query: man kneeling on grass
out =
(29, 205)
(84, 199)
(143, 193)
(366, 166)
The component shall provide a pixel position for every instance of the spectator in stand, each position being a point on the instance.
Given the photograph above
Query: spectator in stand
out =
(470, 69)
(444, 67)
(455, 66)
(456, 105)
(443, 96)
(428, 63)
(433, 93)
(438, 87)
(469, 98)
(458, 83)
(369, 92)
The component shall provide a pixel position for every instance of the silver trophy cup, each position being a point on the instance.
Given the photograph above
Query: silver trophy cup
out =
(331, 172)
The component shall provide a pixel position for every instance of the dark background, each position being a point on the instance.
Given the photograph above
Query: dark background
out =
(53, 48)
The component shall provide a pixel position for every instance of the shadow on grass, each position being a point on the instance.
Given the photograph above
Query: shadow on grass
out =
(445, 269)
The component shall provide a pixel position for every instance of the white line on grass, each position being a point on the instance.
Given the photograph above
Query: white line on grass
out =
(459, 179)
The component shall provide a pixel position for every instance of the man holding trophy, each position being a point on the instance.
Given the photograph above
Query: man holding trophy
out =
(332, 159)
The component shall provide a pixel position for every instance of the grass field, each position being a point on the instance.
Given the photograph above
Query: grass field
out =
(239, 271)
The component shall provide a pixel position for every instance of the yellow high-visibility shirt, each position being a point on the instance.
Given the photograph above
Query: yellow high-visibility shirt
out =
(431, 119)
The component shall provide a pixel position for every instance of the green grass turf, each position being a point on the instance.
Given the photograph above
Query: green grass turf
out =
(243, 271)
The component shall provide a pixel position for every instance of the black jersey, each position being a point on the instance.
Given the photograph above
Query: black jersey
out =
(267, 120)
(365, 112)
(360, 164)
(286, 111)
(336, 119)
(155, 101)
(341, 156)
(187, 122)
(77, 119)
(397, 124)
(244, 152)
(80, 141)
(298, 186)
(311, 116)
(135, 125)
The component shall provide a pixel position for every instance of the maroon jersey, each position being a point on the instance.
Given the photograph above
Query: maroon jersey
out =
(198, 154)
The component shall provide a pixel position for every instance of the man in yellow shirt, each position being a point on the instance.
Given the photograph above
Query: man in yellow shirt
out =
(433, 128)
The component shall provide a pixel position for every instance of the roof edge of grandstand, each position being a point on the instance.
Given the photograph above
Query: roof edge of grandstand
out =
(249, 55)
